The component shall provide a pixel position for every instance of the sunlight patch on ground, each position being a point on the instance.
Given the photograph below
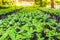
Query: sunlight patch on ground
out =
(56, 6)
(25, 3)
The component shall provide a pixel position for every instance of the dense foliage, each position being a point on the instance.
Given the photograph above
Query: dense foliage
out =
(41, 3)
(51, 11)
(29, 24)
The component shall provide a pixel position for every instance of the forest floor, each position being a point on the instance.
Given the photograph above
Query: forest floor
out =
(56, 6)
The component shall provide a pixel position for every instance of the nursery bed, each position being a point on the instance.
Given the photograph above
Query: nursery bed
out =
(9, 13)
(52, 16)
(29, 24)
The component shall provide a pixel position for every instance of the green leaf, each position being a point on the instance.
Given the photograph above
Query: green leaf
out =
(5, 35)
(12, 34)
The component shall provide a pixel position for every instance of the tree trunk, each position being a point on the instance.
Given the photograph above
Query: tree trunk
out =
(2, 2)
(52, 3)
(41, 3)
